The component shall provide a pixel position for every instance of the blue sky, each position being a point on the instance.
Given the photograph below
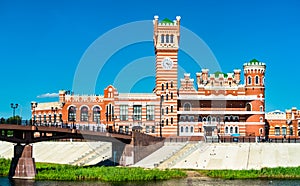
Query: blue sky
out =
(42, 43)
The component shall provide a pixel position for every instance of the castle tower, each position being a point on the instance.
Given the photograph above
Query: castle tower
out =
(254, 76)
(166, 43)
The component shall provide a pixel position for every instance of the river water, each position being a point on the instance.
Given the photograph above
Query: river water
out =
(4, 181)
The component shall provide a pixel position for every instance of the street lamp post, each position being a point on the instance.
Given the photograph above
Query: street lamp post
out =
(14, 106)
(33, 106)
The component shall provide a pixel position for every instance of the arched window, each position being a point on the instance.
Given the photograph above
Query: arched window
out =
(162, 87)
(263, 80)
(181, 129)
(199, 119)
(71, 113)
(248, 107)
(260, 131)
(167, 121)
(171, 38)
(171, 121)
(187, 107)
(226, 130)
(236, 118)
(84, 114)
(171, 95)
(186, 129)
(209, 119)
(249, 80)
(256, 80)
(96, 114)
(167, 86)
(192, 129)
(236, 130)
(172, 109)
(171, 84)
(261, 108)
(204, 119)
(192, 118)
(231, 118)
(167, 110)
(167, 96)
(167, 38)
(213, 119)
(162, 123)
(231, 130)
(50, 118)
(261, 119)
(226, 119)
(162, 38)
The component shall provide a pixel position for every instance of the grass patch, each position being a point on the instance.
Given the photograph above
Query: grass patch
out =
(4, 166)
(112, 174)
(268, 173)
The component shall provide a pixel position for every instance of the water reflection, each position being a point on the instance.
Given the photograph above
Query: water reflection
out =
(180, 182)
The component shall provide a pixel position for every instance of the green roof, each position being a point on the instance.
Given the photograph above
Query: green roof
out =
(254, 61)
(166, 20)
(218, 73)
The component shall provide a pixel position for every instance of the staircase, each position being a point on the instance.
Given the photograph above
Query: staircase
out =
(180, 155)
(94, 155)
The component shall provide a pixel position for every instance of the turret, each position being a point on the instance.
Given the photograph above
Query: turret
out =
(254, 76)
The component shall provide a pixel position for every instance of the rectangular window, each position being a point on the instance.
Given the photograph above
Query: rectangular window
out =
(137, 112)
(121, 129)
(123, 112)
(277, 131)
(147, 129)
(283, 130)
(45, 118)
(150, 112)
(153, 129)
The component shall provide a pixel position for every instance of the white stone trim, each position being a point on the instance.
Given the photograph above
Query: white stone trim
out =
(219, 112)
(215, 97)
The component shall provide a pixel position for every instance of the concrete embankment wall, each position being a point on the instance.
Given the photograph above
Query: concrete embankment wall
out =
(240, 156)
(207, 156)
(62, 152)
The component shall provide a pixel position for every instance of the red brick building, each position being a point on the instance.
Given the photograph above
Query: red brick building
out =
(216, 103)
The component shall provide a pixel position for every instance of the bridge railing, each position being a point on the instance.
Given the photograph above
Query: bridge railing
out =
(83, 127)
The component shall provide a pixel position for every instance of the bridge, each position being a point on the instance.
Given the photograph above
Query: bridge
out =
(127, 149)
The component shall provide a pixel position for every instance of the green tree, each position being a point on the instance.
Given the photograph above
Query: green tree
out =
(2, 120)
(14, 120)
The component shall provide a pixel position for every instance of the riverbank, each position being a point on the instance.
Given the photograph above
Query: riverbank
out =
(58, 172)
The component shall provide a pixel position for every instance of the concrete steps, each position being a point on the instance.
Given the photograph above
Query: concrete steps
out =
(160, 155)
